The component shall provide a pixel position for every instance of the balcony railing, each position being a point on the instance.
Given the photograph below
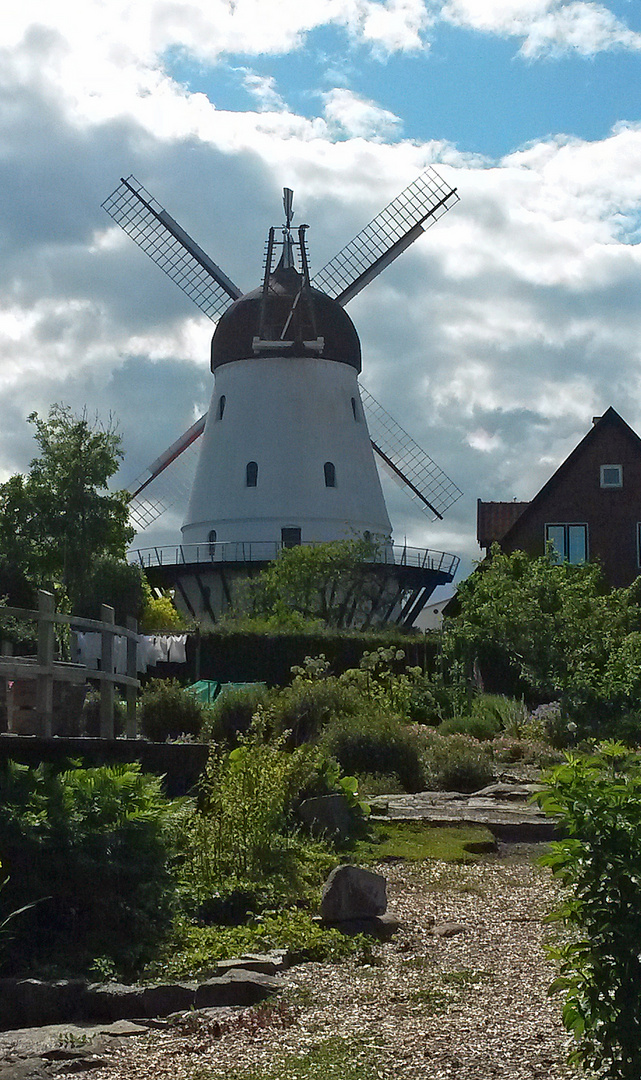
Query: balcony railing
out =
(266, 550)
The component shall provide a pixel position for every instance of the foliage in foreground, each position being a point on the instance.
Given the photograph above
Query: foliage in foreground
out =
(93, 849)
(599, 800)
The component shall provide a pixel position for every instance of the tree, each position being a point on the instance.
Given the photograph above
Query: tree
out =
(536, 626)
(60, 516)
(328, 582)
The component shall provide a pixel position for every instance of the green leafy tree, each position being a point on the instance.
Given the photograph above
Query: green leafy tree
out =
(320, 582)
(598, 801)
(534, 625)
(60, 516)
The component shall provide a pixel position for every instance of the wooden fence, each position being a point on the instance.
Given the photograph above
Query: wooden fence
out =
(46, 670)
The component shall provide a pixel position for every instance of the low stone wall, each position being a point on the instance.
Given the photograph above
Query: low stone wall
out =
(180, 764)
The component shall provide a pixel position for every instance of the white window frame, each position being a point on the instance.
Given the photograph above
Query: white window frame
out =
(566, 526)
(604, 483)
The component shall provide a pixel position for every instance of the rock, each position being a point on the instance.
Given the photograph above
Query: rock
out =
(112, 1001)
(353, 893)
(327, 815)
(264, 963)
(237, 987)
(30, 1002)
(449, 929)
(382, 927)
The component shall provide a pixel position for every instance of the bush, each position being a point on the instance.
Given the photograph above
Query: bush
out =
(246, 795)
(306, 707)
(92, 848)
(90, 718)
(599, 801)
(231, 713)
(528, 751)
(482, 728)
(375, 742)
(167, 711)
(457, 763)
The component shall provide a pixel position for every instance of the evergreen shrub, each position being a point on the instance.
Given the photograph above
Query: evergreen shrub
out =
(376, 742)
(457, 763)
(231, 713)
(167, 711)
(306, 707)
(92, 850)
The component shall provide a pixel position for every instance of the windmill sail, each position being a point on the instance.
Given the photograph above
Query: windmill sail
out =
(392, 231)
(406, 461)
(374, 248)
(164, 241)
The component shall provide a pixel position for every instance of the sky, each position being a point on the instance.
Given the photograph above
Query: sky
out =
(493, 340)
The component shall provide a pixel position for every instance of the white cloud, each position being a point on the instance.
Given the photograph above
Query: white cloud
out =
(349, 114)
(493, 340)
(263, 89)
(546, 27)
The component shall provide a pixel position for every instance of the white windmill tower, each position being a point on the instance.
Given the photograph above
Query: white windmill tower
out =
(286, 455)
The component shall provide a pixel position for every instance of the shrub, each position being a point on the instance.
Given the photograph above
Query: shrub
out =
(92, 848)
(503, 713)
(306, 707)
(529, 751)
(457, 763)
(90, 718)
(599, 801)
(482, 728)
(231, 713)
(376, 742)
(167, 711)
(245, 797)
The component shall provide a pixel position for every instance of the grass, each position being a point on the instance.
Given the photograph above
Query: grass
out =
(195, 950)
(417, 841)
(329, 1059)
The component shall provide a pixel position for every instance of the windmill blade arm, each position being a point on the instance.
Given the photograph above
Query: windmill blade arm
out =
(392, 231)
(165, 459)
(410, 466)
(165, 242)
(404, 479)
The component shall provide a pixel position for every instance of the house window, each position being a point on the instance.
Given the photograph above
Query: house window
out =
(612, 476)
(569, 542)
(251, 474)
(290, 537)
(221, 406)
(330, 474)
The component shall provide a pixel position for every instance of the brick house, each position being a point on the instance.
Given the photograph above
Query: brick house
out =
(590, 509)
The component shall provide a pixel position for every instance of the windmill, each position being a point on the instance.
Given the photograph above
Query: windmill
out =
(286, 453)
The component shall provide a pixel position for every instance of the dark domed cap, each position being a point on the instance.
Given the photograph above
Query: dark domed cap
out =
(314, 316)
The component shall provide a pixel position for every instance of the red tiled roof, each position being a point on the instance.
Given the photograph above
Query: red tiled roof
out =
(493, 520)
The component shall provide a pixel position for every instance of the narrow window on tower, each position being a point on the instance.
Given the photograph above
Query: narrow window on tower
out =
(212, 543)
(221, 406)
(355, 408)
(330, 474)
(251, 474)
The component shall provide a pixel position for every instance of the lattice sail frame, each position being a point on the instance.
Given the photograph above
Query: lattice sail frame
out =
(411, 467)
(417, 207)
(170, 247)
(405, 218)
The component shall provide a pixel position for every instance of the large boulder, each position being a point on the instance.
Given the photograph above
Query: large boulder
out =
(353, 893)
(328, 815)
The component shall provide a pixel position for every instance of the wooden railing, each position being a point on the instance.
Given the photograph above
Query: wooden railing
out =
(46, 670)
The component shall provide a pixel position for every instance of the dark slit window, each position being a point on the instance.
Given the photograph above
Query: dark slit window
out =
(354, 408)
(212, 543)
(221, 406)
(330, 474)
(290, 537)
(251, 474)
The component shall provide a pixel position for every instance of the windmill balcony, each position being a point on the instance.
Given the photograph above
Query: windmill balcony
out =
(205, 579)
(265, 551)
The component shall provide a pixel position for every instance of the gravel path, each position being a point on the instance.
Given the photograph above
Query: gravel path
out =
(439, 1002)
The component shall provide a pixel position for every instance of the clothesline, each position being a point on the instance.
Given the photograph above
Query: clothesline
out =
(151, 650)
